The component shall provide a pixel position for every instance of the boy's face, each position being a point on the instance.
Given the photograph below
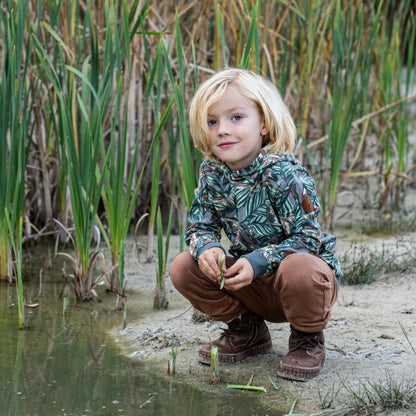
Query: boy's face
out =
(235, 129)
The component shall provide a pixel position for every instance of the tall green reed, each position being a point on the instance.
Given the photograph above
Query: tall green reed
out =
(395, 75)
(119, 193)
(119, 200)
(350, 46)
(311, 21)
(184, 171)
(16, 109)
(155, 96)
(251, 53)
(82, 104)
(188, 168)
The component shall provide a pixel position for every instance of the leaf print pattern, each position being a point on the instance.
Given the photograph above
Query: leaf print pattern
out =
(268, 210)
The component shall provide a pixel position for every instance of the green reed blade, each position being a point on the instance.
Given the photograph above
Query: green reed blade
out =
(221, 52)
(251, 39)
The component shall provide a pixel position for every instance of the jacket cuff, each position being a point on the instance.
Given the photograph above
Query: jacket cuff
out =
(258, 262)
(208, 246)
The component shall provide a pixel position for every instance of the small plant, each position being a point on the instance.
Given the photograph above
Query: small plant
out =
(160, 300)
(172, 361)
(326, 400)
(215, 366)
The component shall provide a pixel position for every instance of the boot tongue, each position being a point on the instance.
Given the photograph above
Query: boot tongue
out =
(302, 340)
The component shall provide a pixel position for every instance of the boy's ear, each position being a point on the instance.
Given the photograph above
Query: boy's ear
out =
(264, 130)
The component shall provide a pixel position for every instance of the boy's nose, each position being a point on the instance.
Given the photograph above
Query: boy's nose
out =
(223, 127)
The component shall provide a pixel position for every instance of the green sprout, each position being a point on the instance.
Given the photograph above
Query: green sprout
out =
(222, 260)
(172, 361)
(215, 366)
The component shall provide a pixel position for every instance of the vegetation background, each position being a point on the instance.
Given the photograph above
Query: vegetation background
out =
(93, 114)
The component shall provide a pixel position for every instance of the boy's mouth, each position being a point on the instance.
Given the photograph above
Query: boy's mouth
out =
(226, 145)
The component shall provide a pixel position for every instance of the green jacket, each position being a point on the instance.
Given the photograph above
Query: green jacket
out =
(268, 210)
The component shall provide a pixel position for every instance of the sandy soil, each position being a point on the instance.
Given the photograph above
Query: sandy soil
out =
(365, 339)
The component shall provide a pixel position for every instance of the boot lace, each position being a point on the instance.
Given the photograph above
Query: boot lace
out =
(305, 342)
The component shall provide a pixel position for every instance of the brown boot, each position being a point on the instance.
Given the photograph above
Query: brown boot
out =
(246, 336)
(306, 356)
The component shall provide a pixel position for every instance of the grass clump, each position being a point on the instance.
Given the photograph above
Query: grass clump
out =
(364, 265)
(388, 395)
(389, 224)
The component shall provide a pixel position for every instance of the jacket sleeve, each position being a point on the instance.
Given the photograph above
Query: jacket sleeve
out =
(296, 205)
(204, 228)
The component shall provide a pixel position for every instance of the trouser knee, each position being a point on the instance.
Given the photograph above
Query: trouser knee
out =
(179, 270)
(308, 289)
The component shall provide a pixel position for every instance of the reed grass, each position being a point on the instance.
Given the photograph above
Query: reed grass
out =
(16, 105)
(351, 76)
(299, 45)
(396, 76)
(82, 104)
(119, 192)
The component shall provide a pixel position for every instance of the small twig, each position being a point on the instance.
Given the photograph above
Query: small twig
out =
(152, 395)
(334, 412)
(407, 337)
(178, 316)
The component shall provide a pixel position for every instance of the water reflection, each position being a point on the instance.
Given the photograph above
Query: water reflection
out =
(66, 365)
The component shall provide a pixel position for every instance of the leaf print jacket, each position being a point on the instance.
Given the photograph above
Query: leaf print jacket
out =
(268, 210)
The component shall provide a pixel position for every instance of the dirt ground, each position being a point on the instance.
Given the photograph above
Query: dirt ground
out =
(365, 340)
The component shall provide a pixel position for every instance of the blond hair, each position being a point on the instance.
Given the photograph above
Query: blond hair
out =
(277, 119)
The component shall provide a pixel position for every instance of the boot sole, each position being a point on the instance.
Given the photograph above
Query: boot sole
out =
(205, 358)
(299, 374)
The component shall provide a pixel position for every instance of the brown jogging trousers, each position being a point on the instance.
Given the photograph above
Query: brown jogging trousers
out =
(301, 292)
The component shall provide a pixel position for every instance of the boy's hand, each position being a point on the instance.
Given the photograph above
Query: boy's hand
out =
(240, 274)
(209, 262)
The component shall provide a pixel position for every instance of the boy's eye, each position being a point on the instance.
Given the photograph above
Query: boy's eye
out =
(211, 122)
(236, 117)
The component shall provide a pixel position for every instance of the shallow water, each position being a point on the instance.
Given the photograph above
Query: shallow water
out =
(67, 365)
